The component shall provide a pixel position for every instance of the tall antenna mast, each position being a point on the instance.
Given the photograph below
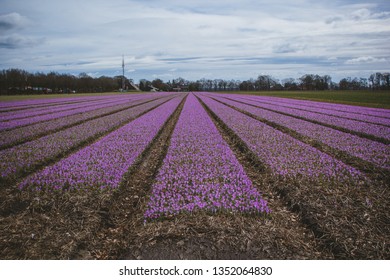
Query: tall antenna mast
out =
(123, 72)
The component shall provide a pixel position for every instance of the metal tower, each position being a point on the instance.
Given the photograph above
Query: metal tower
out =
(123, 72)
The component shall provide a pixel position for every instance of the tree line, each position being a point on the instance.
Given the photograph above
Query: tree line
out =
(15, 81)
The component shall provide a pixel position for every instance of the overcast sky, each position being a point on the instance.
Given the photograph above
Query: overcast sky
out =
(197, 39)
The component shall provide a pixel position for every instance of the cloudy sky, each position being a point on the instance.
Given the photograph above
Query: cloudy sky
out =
(197, 39)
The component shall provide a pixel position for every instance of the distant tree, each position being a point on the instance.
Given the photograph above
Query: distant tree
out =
(234, 85)
(344, 83)
(315, 82)
(307, 82)
(290, 84)
(158, 83)
(85, 83)
(16, 79)
(375, 80)
(386, 80)
(195, 86)
(277, 86)
(318, 82)
(144, 85)
(266, 82)
(327, 81)
(215, 84)
(247, 85)
(363, 83)
(353, 84)
(105, 83)
(209, 84)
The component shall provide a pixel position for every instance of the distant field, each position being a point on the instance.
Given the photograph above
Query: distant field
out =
(367, 98)
(376, 99)
(5, 98)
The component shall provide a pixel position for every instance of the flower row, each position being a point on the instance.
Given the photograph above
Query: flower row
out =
(200, 171)
(36, 103)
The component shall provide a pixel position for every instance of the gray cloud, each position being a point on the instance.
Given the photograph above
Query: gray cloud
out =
(287, 48)
(11, 21)
(333, 19)
(219, 38)
(367, 59)
(16, 41)
(366, 14)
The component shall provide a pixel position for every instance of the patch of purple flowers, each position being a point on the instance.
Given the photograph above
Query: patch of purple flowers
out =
(20, 134)
(335, 110)
(200, 171)
(369, 150)
(103, 163)
(285, 155)
(380, 131)
(28, 156)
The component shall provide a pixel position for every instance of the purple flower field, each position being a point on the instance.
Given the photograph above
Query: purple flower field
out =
(199, 171)
(166, 173)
